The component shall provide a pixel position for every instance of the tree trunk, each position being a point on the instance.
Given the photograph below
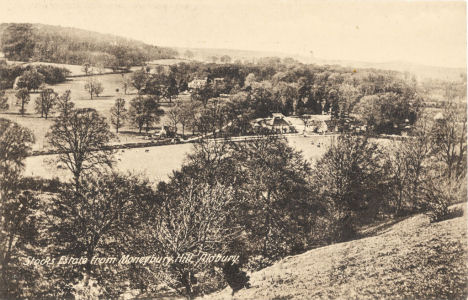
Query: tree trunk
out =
(267, 225)
(76, 177)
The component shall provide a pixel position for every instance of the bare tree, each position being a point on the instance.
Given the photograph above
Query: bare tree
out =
(45, 102)
(174, 116)
(65, 104)
(81, 138)
(126, 83)
(23, 97)
(87, 69)
(191, 222)
(410, 163)
(118, 114)
(94, 87)
(449, 140)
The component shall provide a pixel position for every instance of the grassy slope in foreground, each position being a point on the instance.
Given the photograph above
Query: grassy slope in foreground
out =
(411, 259)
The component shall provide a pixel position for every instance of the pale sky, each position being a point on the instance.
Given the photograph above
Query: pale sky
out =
(431, 33)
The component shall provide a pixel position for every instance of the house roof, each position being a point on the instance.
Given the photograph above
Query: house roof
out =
(277, 115)
(439, 116)
(278, 122)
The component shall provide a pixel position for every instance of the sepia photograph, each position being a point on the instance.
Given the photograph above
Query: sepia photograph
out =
(216, 149)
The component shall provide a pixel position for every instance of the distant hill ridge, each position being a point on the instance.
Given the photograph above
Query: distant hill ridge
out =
(419, 70)
(56, 44)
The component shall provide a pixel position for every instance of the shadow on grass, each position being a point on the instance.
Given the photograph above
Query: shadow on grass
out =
(26, 114)
(104, 97)
(380, 228)
(133, 133)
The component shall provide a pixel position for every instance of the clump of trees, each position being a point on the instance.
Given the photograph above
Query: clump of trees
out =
(144, 112)
(17, 42)
(384, 101)
(93, 87)
(162, 85)
(34, 75)
(30, 80)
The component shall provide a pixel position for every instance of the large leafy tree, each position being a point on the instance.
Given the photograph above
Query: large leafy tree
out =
(352, 179)
(144, 112)
(17, 209)
(139, 79)
(101, 221)
(15, 145)
(387, 112)
(279, 202)
(204, 93)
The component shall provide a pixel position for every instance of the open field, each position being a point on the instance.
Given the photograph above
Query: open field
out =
(412, 259)
(156, 163)
(112, 90)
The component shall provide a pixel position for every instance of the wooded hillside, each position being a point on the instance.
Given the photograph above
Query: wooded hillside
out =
(58, 44)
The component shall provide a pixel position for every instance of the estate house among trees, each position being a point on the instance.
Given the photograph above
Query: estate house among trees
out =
(277, 123)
